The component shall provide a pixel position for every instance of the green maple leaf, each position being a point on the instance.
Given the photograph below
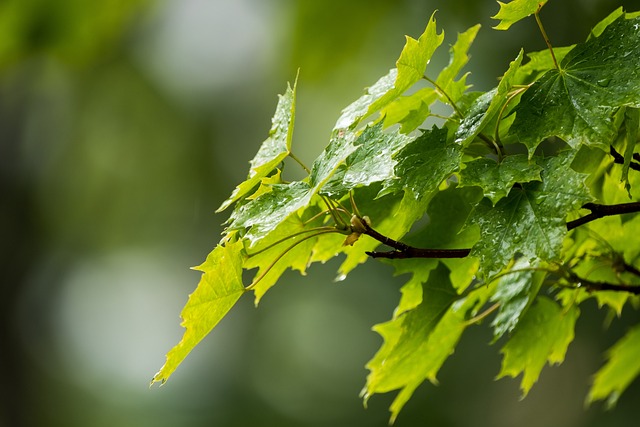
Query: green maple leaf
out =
(531, 219)
(263, 214)
(516, 10)
(458, 59)
(412, 110)
(539, 63)
(219, 289)
(273, 150)
(411, 64)
(408, 356)
(424, 163)
(620, 370)
(578, 102)
(514, 292)
(543, 335)
(359, 109)
(447, 213)
(371, 162)
(289, 245)
(419, 341)
(496, 179)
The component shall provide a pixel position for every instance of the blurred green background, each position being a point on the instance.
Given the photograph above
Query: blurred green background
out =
(125, 123)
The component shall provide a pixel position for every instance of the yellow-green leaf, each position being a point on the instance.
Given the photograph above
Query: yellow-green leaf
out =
(516, 10)
(219, 288)
(273, 150)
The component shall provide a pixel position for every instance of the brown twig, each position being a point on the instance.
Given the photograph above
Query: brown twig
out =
(403, 251)
(592, 286)
(600, 211)
(617, 158)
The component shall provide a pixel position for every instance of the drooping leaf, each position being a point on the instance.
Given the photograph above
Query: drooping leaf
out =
(219, 289)
(516, 10)
(620, 370)
(542, 336)
(496, 179)
(515, 292)
(407, 358)
(531, 219)
(577, 103)
(273, 150)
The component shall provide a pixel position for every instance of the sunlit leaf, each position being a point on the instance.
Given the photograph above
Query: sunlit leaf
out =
(459, 57)
(371, 162)
(273, 150)
(516, 10)
(357, 110)
(288, 246)
(411, 64)
(219, 289)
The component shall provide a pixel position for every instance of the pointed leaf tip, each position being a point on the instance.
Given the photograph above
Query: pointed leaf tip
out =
(219, 289)
(515, 11)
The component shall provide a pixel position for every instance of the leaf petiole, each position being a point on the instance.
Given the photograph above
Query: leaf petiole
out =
(297, 160)
(274, 262)
(544, 35)
(284, 239)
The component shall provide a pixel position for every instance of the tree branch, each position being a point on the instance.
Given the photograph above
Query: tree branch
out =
(403, 251)
(592, 286)
(617, 158)
(600, 211)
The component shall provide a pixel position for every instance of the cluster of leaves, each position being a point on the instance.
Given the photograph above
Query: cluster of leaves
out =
(506, 182)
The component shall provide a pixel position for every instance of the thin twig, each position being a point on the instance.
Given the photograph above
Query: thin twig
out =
(592, 286)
